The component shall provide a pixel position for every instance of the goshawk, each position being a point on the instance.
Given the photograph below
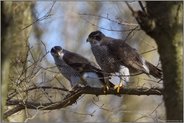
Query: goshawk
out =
(112, 53)
(77, 69)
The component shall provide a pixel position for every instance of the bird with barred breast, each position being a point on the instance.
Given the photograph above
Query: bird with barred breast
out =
(112, 54)
(78, 70)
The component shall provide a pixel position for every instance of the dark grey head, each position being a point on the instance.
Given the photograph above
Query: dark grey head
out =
(57, 51)
(95, 36)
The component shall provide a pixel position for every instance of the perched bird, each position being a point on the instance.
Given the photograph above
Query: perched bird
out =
(77, 69)
(112, 53)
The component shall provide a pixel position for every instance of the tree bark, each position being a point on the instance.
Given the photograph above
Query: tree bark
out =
(15, 16)
(163, 22)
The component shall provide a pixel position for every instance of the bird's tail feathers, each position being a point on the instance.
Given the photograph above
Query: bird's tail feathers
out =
(154, 71)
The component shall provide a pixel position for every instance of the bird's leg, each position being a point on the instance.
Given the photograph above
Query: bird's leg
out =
(106, 86)
(120, 83)
(105, 89)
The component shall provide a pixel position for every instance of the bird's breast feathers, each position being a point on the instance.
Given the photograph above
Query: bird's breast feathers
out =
(92, 79)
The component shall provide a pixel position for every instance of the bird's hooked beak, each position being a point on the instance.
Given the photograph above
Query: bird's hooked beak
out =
(56, 52)
(59, 53)
(88, 40)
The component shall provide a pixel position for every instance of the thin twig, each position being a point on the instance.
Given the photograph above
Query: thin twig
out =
(107, 18)
(131, 9)
(41, 18)
(142, 7)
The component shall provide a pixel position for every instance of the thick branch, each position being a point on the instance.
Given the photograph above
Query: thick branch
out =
(74, 95)
(68, 100)
(129, 91)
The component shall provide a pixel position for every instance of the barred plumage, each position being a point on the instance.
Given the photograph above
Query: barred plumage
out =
(118, 53)
(77, 69)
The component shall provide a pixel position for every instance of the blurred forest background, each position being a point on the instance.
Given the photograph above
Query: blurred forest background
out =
(31, 29)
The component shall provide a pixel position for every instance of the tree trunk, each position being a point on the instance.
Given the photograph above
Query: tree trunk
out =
(15, 16)
(164, 24)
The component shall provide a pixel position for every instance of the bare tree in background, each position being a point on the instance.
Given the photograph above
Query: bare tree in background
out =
(32, 84)
(15, 17)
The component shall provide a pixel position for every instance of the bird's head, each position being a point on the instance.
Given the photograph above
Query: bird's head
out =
(95, 37)
(57, 51)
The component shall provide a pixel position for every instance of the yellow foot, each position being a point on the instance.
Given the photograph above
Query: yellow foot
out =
(106, 88)
(118, 87)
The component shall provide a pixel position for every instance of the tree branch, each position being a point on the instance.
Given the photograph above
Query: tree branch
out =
(74, 95)
(130, 91)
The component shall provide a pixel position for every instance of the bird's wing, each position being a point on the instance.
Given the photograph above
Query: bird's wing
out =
(71, 58)
(128, 56)
(82, 67)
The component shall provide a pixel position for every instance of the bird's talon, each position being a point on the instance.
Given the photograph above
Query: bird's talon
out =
(106, 88)
(118, 87)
